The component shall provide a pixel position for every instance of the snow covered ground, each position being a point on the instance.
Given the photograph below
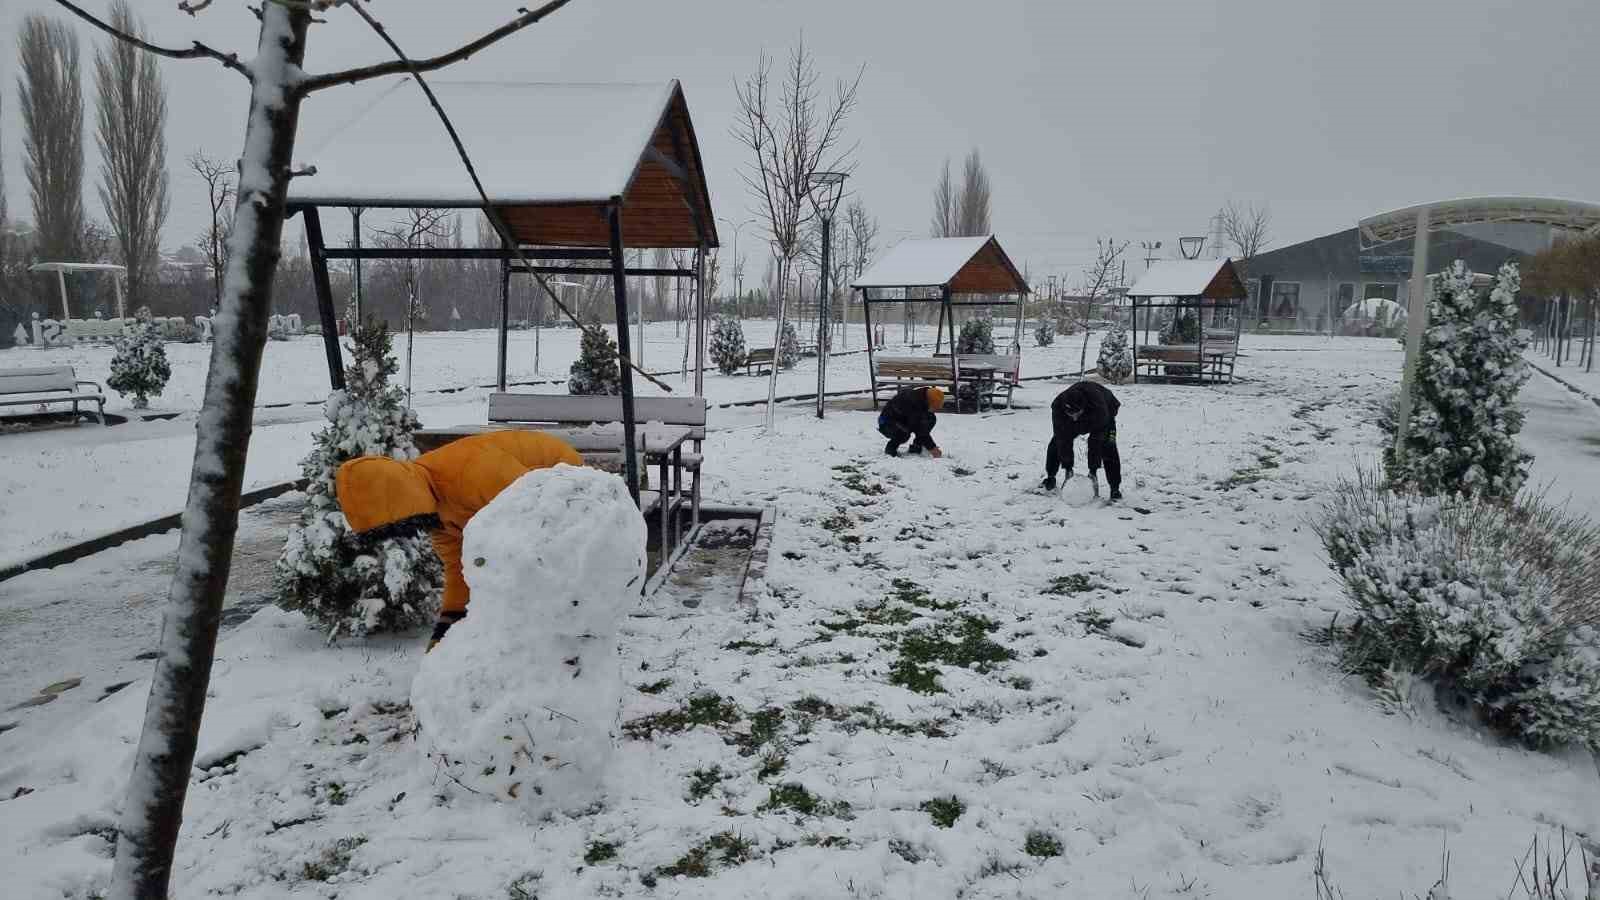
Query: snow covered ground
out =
(951, 687)
(1569, 371)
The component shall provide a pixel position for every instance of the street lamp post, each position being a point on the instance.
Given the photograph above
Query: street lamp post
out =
(827, 188)
(738, 270)
(538, 317)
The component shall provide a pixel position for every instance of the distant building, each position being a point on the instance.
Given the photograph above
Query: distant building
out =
(1308, 286)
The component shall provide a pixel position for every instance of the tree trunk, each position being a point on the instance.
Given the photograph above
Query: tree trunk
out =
(152, 809)
(777, 346)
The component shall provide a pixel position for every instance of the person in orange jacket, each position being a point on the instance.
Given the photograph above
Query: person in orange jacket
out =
(441, 490)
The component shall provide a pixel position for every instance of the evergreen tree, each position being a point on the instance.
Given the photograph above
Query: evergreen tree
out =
(596, 370)
(1464, 413)
(789, 347)
(977, 337)
(1115, 362)
(140, 366)
(727, 344)
(1045, 334)
(343, 582)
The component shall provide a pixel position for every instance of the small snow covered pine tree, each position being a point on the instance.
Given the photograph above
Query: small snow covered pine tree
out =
(339, 580)
(789, 347)
(140, 366)
(977, 337)
(596, 370)
(1115, 362)
(727, 344)
(1464, 416)
(1045, 334)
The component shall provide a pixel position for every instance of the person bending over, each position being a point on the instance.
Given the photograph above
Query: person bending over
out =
(910, 416)
(1091, 409)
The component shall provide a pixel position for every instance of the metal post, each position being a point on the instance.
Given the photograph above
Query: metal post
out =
(824, 318)
(1416, 324)
(355, 230)
(699, 321)
(504, 323)
(872, 371)
(619, 283)
(61, 279)
(319, 280)
(946, 312)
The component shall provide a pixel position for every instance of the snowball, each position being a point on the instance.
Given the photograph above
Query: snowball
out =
(520, 699)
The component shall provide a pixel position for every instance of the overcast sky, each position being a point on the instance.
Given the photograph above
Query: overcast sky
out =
(1136, 120)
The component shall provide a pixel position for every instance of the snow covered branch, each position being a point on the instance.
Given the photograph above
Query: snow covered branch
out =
(403, 66)
(198, 51)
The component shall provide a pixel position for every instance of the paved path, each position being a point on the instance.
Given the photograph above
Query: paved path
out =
(1563, 432)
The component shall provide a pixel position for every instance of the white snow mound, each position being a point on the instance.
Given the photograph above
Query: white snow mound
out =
(520, 699)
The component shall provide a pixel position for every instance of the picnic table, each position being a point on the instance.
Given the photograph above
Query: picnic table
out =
(601, 446)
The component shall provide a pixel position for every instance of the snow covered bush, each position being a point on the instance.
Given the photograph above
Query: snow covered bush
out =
(139, 367)
(520, 700)
(1115, 362)
(1496, 600)
(977, 337)
(727, 344)
(340, 581)
(1464, 413)
(596, 371)
(1045, 334)
(789, 347)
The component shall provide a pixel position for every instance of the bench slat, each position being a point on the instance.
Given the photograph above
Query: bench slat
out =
(35, 380)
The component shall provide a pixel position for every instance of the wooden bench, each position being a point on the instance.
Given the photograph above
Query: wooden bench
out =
(1007, 372)
(896, 372)
(1218, 358)
(556, 410)
(52, 381)
(761, 359)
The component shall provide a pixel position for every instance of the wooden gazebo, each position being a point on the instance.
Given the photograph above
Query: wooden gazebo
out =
(955, 273)
(1204, 286)
(579, 173)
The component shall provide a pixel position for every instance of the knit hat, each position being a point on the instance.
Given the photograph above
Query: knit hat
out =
(935, 399)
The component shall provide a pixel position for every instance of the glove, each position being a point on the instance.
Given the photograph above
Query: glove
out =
(936, 453)
(446, 619)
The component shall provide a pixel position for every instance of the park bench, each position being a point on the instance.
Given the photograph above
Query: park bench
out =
(1218, 359)
(559, 410)
(53, 381)
(897, 372)
(1007, 372)
(761, 360)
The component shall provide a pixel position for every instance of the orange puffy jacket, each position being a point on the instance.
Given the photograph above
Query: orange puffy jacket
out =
(452, 482)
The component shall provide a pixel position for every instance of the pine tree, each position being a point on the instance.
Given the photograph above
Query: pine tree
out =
(727, 344)
(977, 337)
(1464, 415)
(789, 347)
(339, 580)
(1045, 334)
(1115, 362)
(596, 370)
(140, 366)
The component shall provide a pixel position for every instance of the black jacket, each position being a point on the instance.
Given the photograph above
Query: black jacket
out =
(909, 412)
(1099, 410)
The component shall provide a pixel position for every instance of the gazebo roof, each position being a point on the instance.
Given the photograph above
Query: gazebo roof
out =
(966, 265)
(1570, 215)
(76, 267)
(1211, 279)
(550, 156)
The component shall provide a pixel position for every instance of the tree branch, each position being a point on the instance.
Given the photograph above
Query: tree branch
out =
(404, 66)
(198, 51)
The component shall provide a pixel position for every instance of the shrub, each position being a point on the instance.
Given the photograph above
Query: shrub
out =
(977, 336)
(1497, 601)
(1045, 334)
(596, 371)
(140, 368)
(727, 344)
(1464, 412)
(789, 347)
(1115, 363)
(338, 580)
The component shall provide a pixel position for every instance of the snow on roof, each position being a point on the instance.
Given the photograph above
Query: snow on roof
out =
(530, 142)
(1177, 278)
(922, 262)
(1572, 215)
(75, 267)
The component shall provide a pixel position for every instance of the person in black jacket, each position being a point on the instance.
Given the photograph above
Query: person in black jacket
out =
(1085, 408)
(910, 416)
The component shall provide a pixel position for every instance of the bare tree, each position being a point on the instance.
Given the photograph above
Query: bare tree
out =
(422, 227)
(152, 810)
(49, 92)
(1098, 280)
(131, 123)
(219, 194)
(791, 135)
(972, 203)
(1246, 227)
(945, 215)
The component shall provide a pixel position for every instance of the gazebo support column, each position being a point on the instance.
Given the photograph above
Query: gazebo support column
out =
(946, 312)
(619, 284)
(699, 321)
(503, 320)
(872, 368)
(319, 280)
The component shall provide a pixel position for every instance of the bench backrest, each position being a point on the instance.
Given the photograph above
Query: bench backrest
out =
(760, 354)
(569, 408)
(912, 367)
(37, 380)
(1009, 365)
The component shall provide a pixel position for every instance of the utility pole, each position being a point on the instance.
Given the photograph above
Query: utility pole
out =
(1150, 255)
